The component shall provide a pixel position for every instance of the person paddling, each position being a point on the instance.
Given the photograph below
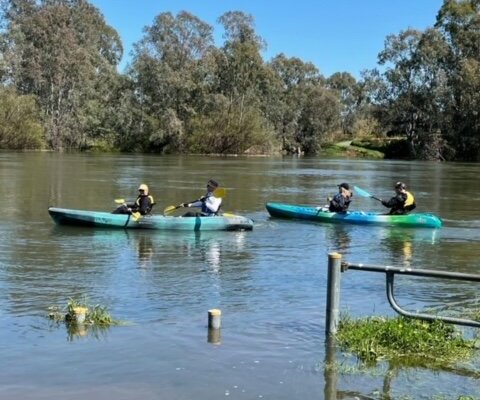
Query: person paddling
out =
(402, 203)
(341, 201)
(209, 204)
(143, 204)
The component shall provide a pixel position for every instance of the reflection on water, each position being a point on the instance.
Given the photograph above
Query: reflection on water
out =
(343, 376)
(84, 331)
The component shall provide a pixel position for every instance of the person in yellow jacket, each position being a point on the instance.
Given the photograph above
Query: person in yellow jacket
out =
(402, 203)
(143, 204)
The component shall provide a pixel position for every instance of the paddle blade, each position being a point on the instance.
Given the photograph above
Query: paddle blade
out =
(364, 193)
(361, 192)
(119, 201)
(220, 192)
(136, 216)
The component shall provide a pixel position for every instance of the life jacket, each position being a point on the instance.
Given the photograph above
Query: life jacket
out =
(205, 209)
(151, 203)
(409, 204)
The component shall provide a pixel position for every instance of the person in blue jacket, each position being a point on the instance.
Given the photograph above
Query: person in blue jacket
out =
(341, 201)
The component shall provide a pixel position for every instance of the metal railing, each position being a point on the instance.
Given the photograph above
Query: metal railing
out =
(336, 267)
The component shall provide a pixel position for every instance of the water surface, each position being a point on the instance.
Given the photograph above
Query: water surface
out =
(269, 283)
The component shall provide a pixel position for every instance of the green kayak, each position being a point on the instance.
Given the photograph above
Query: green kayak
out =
(420, 220)
(231, 222)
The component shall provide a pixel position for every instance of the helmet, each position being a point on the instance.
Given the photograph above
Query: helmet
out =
(144, 188)
(212, 183)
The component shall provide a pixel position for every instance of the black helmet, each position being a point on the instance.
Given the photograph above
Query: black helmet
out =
(212, 183)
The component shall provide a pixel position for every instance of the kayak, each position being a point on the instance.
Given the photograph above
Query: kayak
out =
(321, 214)
(63, 216)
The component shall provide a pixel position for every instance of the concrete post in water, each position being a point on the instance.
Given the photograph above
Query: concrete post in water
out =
(333, 293)
(214, 324)
(214, 318)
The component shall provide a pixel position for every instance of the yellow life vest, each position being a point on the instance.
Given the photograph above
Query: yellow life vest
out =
(152, 202)
(410, 200)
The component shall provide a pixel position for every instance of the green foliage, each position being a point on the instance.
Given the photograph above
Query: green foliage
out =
(229, 132)
(183, 94)
(96, 314)
(20, 123)
(59, 51)
(333, 150)
(320, 115)
(409, 341)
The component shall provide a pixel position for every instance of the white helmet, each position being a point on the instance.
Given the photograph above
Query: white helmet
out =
(144, 188)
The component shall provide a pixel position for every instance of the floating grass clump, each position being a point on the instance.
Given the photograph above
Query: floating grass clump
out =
(81, 312)
(406, 340)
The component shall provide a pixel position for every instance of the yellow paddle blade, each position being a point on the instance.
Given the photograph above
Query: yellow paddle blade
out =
(170, 209)
(220, 192)
(119, 201)
(136, 216)
(228, 215)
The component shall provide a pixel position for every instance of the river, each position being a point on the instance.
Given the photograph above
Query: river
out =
(269, 283)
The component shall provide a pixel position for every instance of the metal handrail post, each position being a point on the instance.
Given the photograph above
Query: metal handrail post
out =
(333, 293)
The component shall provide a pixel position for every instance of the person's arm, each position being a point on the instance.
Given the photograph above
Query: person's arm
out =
(197, 203)
(396, 201)
(132, 205)
(337, 203)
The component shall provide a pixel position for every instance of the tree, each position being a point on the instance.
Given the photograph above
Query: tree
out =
(346, 85)
(410, 102)
(20, 123)
(459, 23)
(59, 51)
(293, 79)
(320, 116)
(165, 70)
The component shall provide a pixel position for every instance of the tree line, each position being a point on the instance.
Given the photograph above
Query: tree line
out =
(60, 88)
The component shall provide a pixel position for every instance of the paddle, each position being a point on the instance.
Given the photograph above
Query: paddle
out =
(364, 193)
(218, 192)
(135, 215)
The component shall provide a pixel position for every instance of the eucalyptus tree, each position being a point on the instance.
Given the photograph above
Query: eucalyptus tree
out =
(60, 51)
(295, 77)
(411, 100)
(459, 23)
(234, 118)
(166, 69)
(319, 119)
(346, 85)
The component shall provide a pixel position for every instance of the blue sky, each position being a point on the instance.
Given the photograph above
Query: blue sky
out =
(335, 35)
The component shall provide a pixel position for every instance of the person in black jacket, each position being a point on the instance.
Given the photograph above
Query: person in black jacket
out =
(402, 203)
(342, 199)
(143, 204)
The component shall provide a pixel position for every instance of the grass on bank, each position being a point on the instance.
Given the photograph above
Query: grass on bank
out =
(404, 340)
(335, 150)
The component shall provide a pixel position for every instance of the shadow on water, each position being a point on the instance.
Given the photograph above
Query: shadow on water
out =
(388, 371)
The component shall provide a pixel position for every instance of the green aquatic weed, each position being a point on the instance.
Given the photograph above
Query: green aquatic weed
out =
(411, 341)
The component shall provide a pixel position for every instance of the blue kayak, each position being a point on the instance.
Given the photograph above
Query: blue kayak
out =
(231, 222)
(320, 214)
